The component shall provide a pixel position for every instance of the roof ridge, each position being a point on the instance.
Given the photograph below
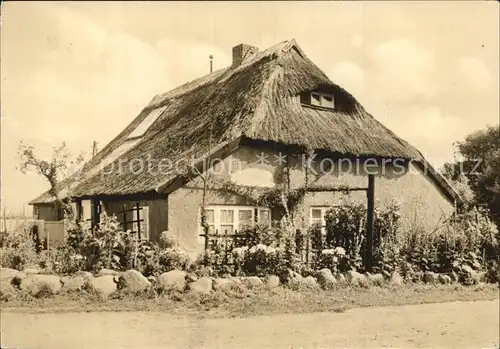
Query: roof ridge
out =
(287, 45)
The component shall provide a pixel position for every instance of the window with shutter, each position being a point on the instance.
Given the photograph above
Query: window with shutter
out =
(223, 218)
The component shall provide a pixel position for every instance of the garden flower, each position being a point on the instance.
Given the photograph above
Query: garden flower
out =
(239, 252)
(270, 250)
(261, 247)
(340, 251)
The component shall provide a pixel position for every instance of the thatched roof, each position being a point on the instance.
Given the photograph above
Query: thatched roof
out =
(256, 100)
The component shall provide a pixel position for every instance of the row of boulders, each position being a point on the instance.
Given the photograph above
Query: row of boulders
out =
(181, 281)
(325, 279)
(466, 275)
(107, 281)
(34, 282)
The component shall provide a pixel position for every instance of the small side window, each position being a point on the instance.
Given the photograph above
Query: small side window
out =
(317, 216)
(264, 217)
(327, 101)
(315, 99)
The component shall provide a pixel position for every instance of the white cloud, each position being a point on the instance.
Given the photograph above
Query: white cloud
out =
(474, 73)
(357, 41)
(430, 123)
(428, 129)
(402, 69)
(349, 76)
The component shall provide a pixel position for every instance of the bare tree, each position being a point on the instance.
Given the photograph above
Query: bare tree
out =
(60, 166)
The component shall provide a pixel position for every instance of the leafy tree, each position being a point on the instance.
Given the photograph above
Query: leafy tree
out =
(53, 170)
(478, 159)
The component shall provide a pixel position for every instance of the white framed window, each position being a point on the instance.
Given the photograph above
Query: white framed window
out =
(315, 99)
(36, 211)
(225, 218)
(327, 101)
(320, 99)
(317, 216)
(147, 122)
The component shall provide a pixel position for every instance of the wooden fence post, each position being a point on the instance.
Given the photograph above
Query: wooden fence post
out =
(225, 247)
(124, 207)
(369, 224)
(138, 215)
(205, 229)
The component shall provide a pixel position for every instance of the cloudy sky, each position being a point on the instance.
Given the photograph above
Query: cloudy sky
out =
(79, 72)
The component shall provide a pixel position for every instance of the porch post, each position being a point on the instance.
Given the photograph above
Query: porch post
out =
(369, 218)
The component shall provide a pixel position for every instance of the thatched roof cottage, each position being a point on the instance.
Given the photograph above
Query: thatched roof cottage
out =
(257, 124)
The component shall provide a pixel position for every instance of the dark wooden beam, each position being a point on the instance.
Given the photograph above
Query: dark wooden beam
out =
(370, 194)
(138, 220)
(150, 195)
(329, 188)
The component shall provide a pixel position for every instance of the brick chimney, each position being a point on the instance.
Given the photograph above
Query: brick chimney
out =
(242, 52)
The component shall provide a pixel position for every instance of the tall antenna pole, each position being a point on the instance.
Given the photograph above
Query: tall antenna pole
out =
(211, 63)
(94, 148)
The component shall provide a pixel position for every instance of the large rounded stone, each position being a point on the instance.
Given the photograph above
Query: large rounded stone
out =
(309, 282)
(7, 291)
(8, 274)
(444, 279)
(272, 281)
(75, 283)
(7, 280)
(133, 281)
(356, 279)
(84, 274)
(41, 285)
(375, 279)
(252, 281)
(103, 285)
(430, 277)
(201, 286)
(221, 283)
(326, 279)
(174, 279)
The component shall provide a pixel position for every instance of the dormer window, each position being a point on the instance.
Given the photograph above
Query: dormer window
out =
(147, 122)
(319, 99)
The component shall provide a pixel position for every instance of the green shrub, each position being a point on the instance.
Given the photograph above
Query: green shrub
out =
(65, 260)
(261, 260)
(346, 228)
(19, 250)
(173, 258)
(334, 259)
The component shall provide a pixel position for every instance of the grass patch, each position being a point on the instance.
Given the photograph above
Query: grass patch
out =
(239, 302)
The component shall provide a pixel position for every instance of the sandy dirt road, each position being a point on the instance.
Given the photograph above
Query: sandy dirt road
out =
(450, 325)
